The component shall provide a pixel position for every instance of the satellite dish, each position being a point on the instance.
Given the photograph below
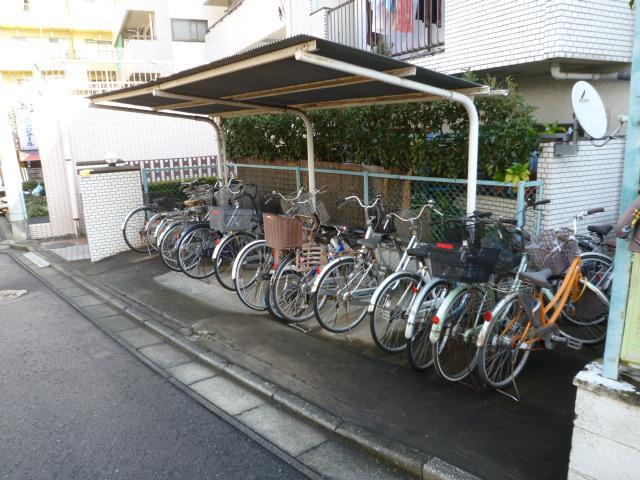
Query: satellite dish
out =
(589, 109)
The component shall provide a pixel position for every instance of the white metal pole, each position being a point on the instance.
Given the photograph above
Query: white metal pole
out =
(311, 156)
(71, 175)
(467, 103)
(11, 176)
(221, 166)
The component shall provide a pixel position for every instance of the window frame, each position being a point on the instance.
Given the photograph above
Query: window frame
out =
(190, 21)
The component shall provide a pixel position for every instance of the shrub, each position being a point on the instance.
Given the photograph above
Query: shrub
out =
(429, 138)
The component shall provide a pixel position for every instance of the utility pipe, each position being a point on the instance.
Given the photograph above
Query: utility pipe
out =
(71, 176)
(467, 103)
(558, 74)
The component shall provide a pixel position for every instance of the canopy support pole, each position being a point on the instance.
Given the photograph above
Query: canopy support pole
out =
(467, 103)
(311, 155)
(221, 151)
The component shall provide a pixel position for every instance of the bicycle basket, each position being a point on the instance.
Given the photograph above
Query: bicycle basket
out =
(459, 263)
(547, 250)
(231, 219)
(282, 232)
(507, 242)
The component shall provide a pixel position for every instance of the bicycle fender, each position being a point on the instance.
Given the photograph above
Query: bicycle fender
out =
(482, 336)
(436, 328)
(391, 278)
(216, 250)
(318, 279)
(236, 264)
(415, 307)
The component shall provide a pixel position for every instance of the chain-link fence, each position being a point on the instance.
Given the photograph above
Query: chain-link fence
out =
(398, 192)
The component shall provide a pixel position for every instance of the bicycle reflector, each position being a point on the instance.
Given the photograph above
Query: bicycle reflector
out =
(447, 246)
(487, 316)
(435, 319)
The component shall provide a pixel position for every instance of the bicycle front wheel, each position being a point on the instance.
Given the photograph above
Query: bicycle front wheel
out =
(342, 295)
(169, 245)
(419, 346)
(134, 229)
(195, 250)
(291, 292)
(225, 255)
(504, 353)
(455, 349)
(252, 274)
(391, 310)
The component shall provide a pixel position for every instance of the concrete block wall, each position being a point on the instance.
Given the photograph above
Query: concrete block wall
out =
(606, 430)
(589, 179)
(107, 198)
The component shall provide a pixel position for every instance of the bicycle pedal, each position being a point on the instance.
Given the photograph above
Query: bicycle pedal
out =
(574, 344)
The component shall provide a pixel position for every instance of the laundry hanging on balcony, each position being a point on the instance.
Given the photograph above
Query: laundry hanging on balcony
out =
(404, 16)
(392, 6)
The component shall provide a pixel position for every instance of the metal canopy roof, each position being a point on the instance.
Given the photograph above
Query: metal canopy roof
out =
(270, 79)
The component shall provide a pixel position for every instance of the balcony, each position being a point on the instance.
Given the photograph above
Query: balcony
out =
(396, 27)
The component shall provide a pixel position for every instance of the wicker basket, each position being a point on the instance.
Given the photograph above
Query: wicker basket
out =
(282, 232)
(311, 256)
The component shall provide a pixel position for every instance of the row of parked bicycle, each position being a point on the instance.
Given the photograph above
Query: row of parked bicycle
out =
(481, 295)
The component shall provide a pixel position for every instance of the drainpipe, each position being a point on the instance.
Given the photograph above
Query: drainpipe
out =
(558, 74)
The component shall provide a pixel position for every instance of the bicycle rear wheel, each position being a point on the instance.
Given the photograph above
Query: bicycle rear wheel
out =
(389, 316)
(226, 253)
(252, 274)
(419, 346)
(504, 354)
(134, 229)
(195, 251)
(455, 350)
(340, 300)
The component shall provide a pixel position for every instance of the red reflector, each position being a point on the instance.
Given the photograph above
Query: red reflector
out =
(318, 270)
(448, 246)
(487, 316)
(435, 320)
(216, 212)
(218, 241)
(415, 289)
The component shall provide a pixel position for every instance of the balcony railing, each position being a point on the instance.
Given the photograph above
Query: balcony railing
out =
(388, 27)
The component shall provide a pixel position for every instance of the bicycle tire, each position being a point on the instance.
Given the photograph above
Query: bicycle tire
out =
(324, 299)
(500, 358)
(168, 245)
(133, 224)
(455, 351)
(288, 288)
(151, 227)
(387, 320)
(225, 254)
(419, 346)
(252, 274)
(195, 250)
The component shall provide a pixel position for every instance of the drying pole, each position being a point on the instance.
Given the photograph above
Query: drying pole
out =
(630, 182)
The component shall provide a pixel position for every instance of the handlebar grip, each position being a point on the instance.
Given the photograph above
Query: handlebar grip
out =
(595, 210)
(340, 202)
(541, 202)
(510, 221)
(478, 214)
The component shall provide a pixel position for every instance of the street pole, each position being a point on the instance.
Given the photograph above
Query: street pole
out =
(630, 182)
(11, 176)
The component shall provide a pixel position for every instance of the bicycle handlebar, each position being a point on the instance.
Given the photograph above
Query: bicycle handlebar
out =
(357, 199)
(430, 204)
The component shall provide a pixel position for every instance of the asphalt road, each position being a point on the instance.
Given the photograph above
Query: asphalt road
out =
(75, 405)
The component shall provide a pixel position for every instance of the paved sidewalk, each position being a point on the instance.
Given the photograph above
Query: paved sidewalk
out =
(483, 432)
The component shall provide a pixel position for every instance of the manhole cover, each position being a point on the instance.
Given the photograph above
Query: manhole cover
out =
(6, 295)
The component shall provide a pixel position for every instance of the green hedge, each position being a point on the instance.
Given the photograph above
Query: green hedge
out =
(429, 138)
(175, 186)
(36, 206)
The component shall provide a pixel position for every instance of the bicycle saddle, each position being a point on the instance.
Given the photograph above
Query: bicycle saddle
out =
(421, 251)
(601, 230)
(370, 243)
(540, 279)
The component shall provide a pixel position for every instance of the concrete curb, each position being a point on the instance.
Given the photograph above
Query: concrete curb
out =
(417, 463)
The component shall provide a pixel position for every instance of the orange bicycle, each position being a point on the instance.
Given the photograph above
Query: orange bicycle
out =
(527, 319)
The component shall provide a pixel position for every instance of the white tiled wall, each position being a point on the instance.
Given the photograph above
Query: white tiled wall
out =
(590, 179)
(107, 198)
(92, 133)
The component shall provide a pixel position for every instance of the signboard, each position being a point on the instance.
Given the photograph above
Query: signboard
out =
(24, 126)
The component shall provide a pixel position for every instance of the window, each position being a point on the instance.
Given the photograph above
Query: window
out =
(183, 30)
(102, 75)
(26, 5)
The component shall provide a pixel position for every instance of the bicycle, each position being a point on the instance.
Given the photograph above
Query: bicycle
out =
(342, 291)
(528, 317)
(390, 303)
